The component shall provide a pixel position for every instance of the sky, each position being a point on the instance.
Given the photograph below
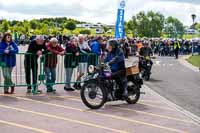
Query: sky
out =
(104, 11)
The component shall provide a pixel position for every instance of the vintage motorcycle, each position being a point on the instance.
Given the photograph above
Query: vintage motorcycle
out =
(99, 87)
(146, 65)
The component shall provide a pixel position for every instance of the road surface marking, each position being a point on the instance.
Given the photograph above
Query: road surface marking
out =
(25, 127)
(150, 114)
(156, 115)
(63, 118)
(106, 115)
(74, 98)
(157, 63)
(176, 107)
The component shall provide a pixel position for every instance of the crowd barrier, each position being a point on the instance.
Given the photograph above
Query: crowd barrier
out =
(29, 66)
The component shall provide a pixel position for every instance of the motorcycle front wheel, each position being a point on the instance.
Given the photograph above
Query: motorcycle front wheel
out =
(93, 94)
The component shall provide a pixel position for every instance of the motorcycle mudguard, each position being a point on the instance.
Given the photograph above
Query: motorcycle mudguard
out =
(136, 79)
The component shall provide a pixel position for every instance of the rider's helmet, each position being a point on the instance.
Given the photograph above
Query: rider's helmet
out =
(113, 43)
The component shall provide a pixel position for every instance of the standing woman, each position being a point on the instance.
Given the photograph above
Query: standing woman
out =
(71, 62)
(8, 51)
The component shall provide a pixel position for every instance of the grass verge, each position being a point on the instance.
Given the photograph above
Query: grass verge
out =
(194, 60)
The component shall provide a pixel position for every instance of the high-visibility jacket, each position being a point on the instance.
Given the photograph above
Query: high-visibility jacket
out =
(177, 45)
(139, 46)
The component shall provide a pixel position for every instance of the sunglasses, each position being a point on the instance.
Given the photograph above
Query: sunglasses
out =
(8, 36)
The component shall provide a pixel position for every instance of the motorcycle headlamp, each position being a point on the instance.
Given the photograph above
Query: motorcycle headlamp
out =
(91, 69)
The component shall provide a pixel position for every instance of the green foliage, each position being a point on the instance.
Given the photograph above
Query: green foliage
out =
(197, 27)
(70, 25)
(5, 26)
(173, 27)
(33, 24)
(195, 60)
(148, 24)
(105, 28)
(88, 32)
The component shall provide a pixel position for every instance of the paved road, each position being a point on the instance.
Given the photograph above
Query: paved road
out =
(177, 83)
(64, 112)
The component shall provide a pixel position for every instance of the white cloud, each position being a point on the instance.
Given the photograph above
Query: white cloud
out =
(96, 10)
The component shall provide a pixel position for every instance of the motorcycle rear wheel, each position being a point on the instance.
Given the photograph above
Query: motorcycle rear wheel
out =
(133, 99)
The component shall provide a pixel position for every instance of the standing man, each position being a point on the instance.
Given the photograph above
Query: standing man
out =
(51, 61)
(36, 48)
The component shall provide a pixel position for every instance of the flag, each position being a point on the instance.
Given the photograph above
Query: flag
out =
(119, 28)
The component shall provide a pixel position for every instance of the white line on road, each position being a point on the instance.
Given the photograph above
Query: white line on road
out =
(192, 116)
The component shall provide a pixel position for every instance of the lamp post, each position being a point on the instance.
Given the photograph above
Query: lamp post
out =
(193, 19)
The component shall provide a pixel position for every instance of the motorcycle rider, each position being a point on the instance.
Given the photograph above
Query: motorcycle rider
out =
(145, 51)
(116, 60)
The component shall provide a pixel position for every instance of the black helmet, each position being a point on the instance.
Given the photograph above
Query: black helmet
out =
(113, 43)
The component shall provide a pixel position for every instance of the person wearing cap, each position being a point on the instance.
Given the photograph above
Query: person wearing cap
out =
(36, 48)
(116, 60)
(53, 49)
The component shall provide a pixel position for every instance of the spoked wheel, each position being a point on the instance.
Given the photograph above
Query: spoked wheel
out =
(93, 95)
(134, 93)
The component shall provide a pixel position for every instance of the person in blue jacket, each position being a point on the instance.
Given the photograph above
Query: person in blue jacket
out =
(116, 60)
(8, 51)
(96, 46)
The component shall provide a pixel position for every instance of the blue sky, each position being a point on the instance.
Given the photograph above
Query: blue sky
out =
(103, 11)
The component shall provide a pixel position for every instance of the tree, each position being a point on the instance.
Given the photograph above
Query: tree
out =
(173, 27)
(197, 27)
(148, 24)
(33, 24)
(26, 27)
(88, 32)
(70, 25)
(5, 26)
(105, 28)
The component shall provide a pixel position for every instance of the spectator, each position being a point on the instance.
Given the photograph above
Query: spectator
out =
(83, 58)
(1, 36)
(51, 62)
(96, 46)
(71, 61)
(15, 37)
(8, 51)
(22, 39)
(34, 51)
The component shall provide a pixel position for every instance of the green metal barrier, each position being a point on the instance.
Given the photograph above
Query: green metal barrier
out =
(28, 69)
(68, 62)
(24, 61)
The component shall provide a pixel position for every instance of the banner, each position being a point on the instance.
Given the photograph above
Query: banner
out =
(119, 28)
